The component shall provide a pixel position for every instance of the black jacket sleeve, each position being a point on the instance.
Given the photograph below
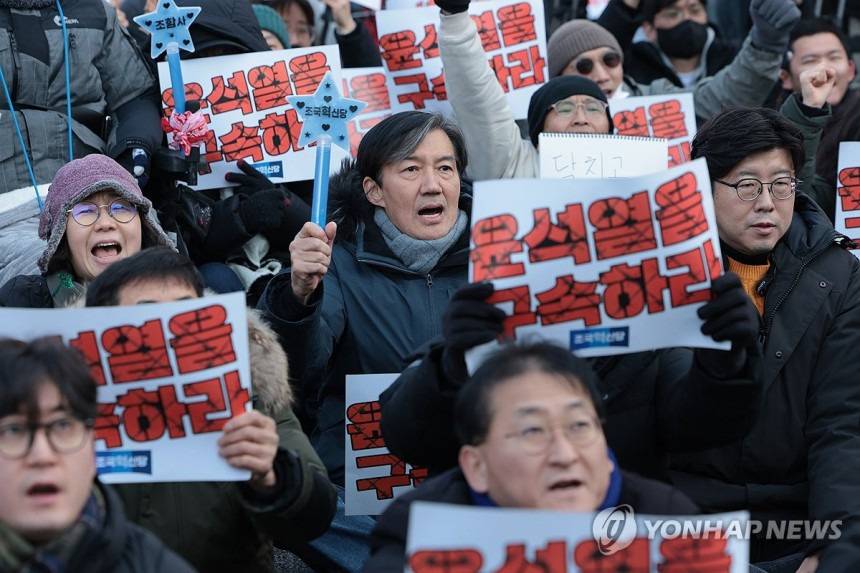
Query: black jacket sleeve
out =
(226, 230)
(138, 124)
(357, 49)
(26, 291)
(697, 409)
(418, 415)
(388, 540)
(621, 21)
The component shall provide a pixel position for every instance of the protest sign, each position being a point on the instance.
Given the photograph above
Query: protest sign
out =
(606, 266)
(442, 535)
(374, 476)
(595, 156)
(671, 117)
(372, 4)
(169, 377)
(512, 33)
(244, 101)
(848, 192)
(404, 4)
(370, 86)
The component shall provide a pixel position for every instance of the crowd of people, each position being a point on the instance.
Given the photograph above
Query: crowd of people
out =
(771, 425)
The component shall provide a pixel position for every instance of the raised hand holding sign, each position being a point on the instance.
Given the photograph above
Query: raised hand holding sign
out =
(325, 115)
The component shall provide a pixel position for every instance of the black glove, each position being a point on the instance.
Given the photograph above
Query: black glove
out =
(772, 22)
(136, 161)
(730, 315)
(263, 211)
(250, 180)
(469, 321)
(453, 6)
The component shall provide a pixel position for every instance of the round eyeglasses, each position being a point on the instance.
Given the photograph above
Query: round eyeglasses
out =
(65, 435)
(750, 188)
(535, 438)
(565, 108)
(86, 213)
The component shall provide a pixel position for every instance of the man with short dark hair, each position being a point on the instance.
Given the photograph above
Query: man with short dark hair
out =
(54, 514)
(801, 459)
(818, 44)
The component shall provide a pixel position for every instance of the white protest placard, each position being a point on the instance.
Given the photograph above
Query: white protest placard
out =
(599, 156)
(244, 100)
(669, 116)
(169, 377)
(372, 4)
(512, 33)
(374, 476)
(470, 539)
(848, 192)
(370, 86)
(604, 266)
(404, 4)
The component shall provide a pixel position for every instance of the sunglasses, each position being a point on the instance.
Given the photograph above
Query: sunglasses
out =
(86, 213)
(586, 65)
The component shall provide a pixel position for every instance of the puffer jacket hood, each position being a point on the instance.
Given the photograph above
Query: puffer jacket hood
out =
(226, 23)
(348, 206)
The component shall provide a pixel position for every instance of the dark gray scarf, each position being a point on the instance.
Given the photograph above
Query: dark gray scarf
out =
(26, 4)
(418, 255)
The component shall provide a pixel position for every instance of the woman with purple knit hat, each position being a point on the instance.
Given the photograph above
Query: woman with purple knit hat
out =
(95, 214)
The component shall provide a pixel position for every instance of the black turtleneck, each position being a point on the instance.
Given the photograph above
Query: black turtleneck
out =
(744, 258)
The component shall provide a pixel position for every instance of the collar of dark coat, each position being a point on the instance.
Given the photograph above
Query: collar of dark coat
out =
(809, 233)
(356, 231)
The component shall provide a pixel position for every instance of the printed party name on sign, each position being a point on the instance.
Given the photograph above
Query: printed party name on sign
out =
(374, 476)
(513, 36)
(169, 377)
(244, 100)
(450, 538)
(847, 219)
(605, 266)
(671, 117)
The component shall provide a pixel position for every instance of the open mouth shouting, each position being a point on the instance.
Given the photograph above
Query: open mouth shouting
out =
(431, 214)
(106, 252)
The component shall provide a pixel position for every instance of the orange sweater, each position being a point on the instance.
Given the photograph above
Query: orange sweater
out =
(751, 276)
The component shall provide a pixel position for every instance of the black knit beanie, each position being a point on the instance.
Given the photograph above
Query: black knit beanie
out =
(558, 89)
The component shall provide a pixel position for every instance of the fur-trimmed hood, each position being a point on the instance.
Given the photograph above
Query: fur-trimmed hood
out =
(347, 204)
(269, 368)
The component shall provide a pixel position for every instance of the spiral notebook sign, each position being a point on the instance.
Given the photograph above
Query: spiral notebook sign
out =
(589, 156)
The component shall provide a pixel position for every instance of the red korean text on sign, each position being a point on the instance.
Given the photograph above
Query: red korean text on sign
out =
(632, 288)
(550, 559)
(137, 353)
(517, 24)
(848, 192)
(686, 555)
(371, 89)
(487, 31)
(202, 339)
(193, 96)
(230, 95)
(569, 300)
(569, 238)
(521, 314)
(430, 43)
(308, 71)
(667, 120)
(397, 475)
(495, 242)
(87, 344)
(271, 85)
(635, 558)
(631, 123)
(419, 97)
(681, 212)
(523, 68)
(242, 142)
(446, 561)
(624, 226)
(281, 132)
(364, 429)
(399, 50)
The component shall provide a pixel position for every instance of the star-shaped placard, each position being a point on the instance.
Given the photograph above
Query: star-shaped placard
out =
(326, 112)
(169, 23)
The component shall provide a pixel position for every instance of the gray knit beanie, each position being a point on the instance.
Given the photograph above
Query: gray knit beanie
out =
(575, 37)
(77, 180)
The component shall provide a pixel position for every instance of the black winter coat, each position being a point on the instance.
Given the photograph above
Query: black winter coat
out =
(26, 291)
(801, 459)
(655, 402)
(388, 539)
(368, 316)
(121, 547)
(643, 61)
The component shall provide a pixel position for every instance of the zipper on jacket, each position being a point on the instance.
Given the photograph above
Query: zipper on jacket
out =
(13, 47)
(429, 280)
(766, 324)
